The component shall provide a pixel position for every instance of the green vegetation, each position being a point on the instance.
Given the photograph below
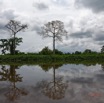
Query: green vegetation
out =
(47, 51)
(52, 58)
(7, 45)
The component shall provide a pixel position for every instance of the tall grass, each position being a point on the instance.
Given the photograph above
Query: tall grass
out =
(52, 58)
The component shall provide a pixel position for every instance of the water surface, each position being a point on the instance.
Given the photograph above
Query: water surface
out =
(54, 83)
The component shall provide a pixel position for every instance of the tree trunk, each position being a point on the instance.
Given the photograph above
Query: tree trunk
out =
(13, 74)
(54, 44)
(54, 76)
(14, 45)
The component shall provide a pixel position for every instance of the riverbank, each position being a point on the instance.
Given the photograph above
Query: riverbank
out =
(53, 58)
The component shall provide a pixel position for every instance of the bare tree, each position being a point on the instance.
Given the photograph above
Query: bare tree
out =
(14, 27)
(54, 29)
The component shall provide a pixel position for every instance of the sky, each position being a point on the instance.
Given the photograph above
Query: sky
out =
(83, 20)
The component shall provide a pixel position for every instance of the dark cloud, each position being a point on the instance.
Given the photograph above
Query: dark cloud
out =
(2, 24)
(8, 14)
(95, 5)
(5, 16)
(40, 6)
(100, 42)
(99, 37)
(81, 34)
(37, 29)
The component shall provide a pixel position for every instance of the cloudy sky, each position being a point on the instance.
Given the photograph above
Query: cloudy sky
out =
(83, 19)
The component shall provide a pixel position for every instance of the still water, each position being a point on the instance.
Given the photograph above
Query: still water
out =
(54, 83)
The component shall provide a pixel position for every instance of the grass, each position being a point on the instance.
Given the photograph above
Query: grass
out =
(53, 58)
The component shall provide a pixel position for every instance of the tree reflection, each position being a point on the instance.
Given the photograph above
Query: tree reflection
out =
(54, 89)
(102, 66)
(9, 74)
(46, 67)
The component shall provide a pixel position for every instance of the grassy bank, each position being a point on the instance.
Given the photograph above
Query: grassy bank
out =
(53, 58)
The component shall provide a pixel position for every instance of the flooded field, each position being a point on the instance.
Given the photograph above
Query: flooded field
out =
(56, 83)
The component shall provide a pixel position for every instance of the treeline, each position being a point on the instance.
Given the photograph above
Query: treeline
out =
(47, 51)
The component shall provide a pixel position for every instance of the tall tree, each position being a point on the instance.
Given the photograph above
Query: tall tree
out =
(54, 29)
(14, 27)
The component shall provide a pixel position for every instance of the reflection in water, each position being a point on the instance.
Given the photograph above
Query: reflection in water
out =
(68, 84)
(46, 67)
(9, 74)
(54, 89)
(102, 66)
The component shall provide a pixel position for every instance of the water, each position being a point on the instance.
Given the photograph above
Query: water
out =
(55, 83)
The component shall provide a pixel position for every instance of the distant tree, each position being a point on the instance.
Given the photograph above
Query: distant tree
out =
(102, 49)
(58, 52)
(45, 51)
(67, 53)
(77, 52)
(87, 51)
(55, 30)
(14, 27)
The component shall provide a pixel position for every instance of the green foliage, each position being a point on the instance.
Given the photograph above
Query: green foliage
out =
(52, 58)
(7, 45)
(58, 52)
(47, 51)
(11, 46)
(87, 51)
(102, 49)
(77, 52)
(51, 65)
(4, 45)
